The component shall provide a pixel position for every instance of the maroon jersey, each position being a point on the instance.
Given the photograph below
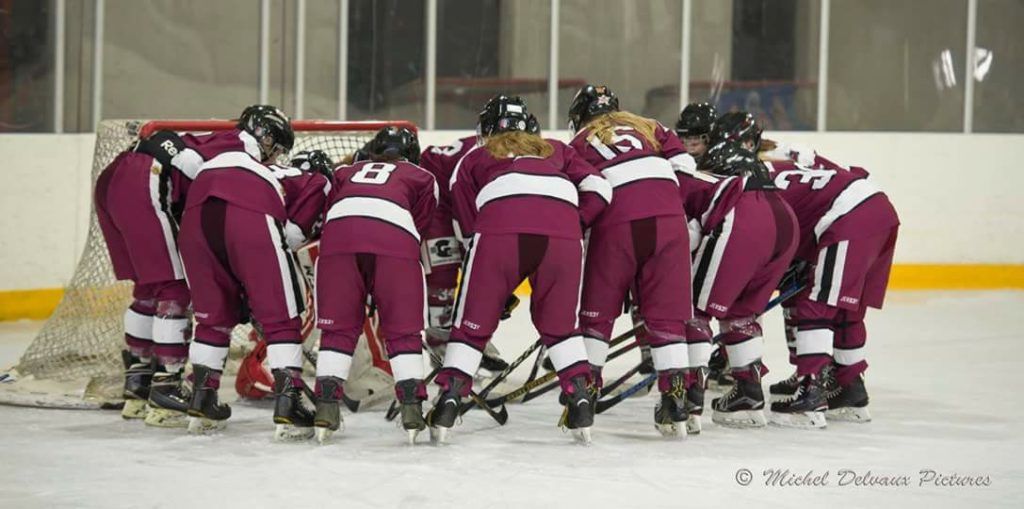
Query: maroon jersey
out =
(305, 194)
(642, 179)
(823, 201)
(439, 239)
(547, 196)
(233, 173)
(380, 208)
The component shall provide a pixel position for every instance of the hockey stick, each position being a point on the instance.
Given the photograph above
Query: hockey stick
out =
(537, 361)
(649, 380)
(549, 387)
(524, 391)
(500, 415)
(351, 404)
(501, 376)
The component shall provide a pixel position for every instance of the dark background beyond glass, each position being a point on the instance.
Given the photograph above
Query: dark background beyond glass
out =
(26, 66)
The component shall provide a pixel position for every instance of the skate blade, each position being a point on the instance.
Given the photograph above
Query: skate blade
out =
(439, 435)
(778, 397)
(204, 426)
(582, 436)
(164, 418)
(740, 419)
(134, 409)
(323, 435)
(291, 433)
(693, 425)
(804, 420)
(849, 414)
(672, 430)
(410, 436)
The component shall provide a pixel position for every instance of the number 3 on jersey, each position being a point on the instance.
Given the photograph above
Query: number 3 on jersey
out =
(374, 173)
(818, 179)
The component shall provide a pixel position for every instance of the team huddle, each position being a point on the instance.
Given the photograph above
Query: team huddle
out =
(678, 228)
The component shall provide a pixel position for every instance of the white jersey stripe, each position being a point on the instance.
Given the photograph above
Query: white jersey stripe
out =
(837, 272)
(639, 169)
(595, 184)
(165, 221)
(814, 341)
(716, 260)
(377, 208)
(242, 160)
(514, 184)
(853, 195)
(287, 285)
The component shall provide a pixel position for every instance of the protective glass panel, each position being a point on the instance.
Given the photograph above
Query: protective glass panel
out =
(759, 56)
(633, 47)
(999, 67)
(386, 60)
(490, 47)
(26, 66)
(896, 66)
(180, 58)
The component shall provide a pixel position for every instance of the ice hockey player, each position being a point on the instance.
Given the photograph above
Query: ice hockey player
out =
(138, 199)
(443, 252)
(848, 230)
(377, 213)
(233, 244)
(748, 236)
(522, 202)
(639, 241)
(694, 127)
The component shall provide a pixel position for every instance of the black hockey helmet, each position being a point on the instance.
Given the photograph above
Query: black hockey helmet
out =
(738, 126)
(696, 119)
(729, 158)
(251, 111)
(272, 129)
(313, 160)
(394, 142)
(503, 114)
(590, 102)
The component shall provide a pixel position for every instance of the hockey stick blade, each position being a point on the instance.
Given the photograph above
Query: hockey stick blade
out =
(605, 404)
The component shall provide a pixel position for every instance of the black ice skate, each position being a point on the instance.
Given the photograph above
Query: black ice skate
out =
(293, 420)
(786, 387)
(718, 369)
(169, 399)
(578, 415)
(138, 375)
(670, 414)
(849, 403)
(205, 412)
(411, 408)
(441, 418)
(695, 402)
(328, 410)
(806, 409)
(743, 406)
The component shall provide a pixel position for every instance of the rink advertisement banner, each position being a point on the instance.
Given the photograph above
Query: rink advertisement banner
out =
(38, 304)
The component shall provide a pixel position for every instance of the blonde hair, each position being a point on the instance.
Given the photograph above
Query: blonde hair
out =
(764, 151)
(517, 143)
(603, 127)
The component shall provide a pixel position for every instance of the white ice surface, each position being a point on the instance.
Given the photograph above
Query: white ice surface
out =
(945, 385)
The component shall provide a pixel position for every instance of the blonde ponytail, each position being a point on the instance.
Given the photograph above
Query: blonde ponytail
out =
(603, 127)
(517, 143)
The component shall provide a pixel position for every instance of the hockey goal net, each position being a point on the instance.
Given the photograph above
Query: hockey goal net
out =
(75, 360)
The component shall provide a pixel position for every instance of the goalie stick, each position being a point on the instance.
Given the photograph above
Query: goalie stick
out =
(607, 403)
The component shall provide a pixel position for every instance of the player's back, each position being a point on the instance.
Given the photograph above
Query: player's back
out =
(378, 207)
(823, 199)
(642, 179)
(525, 194)
(232, 172)
(440, 161)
